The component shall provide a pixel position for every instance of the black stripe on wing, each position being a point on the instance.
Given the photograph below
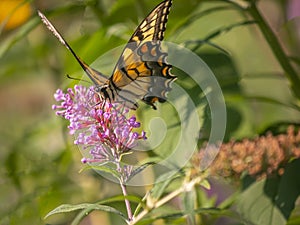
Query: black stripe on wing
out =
(141, 58)
(150, 29)
(154, 25)
(146, 76)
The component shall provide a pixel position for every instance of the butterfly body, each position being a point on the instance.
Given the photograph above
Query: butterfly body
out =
(141, 71)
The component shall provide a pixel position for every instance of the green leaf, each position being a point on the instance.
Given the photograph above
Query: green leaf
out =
(257, 207)
(289, 188)
(199, 43)
(273, 101)
(114, 199)
(214, 211)
(162, 183)
(295, 217)
(119, 198)
(22, 32)
(228, 202)
(204, 200)
(139, 169)
(86, 206)
(221, 31)
(173, 218)
(191, 19)
(271, 201)
(106, 168)
(189, 199)
(205, 183)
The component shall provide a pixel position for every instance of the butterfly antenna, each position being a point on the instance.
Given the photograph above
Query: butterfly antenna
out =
(90, 72)
(59, 37)
(78, 79)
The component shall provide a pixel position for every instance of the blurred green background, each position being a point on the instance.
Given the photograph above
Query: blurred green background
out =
(39, 164)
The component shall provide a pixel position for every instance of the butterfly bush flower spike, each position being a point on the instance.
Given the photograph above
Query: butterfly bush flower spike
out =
(105, 130)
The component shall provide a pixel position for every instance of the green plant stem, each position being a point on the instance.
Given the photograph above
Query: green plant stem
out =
(124, 191)
(127, 203)
(276, 48)
(184, 188)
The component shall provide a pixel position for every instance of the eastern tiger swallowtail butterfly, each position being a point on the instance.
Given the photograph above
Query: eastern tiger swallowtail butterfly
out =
(141, 71)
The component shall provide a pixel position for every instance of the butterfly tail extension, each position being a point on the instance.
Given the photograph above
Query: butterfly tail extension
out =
(97, 77)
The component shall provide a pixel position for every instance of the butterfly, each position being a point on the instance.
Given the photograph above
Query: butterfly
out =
(142, 71)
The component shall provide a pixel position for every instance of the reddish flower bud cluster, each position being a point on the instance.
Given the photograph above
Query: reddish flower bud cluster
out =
(261, 157)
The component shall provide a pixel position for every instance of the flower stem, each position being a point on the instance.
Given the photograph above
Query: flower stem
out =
(276, 48)
(124, 191)
(127, 203)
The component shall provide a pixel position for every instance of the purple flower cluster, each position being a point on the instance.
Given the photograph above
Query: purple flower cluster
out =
(105, 129)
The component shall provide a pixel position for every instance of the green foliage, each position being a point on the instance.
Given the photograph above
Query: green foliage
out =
(39, 168)
(271, 201)
(87, 208)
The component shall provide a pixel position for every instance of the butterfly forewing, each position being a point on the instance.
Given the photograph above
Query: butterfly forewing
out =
(142, 60)
(142, 71)
(154, 25)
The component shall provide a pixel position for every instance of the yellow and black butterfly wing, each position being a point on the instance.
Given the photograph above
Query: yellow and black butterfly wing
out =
(142, 71)
(154, 25)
